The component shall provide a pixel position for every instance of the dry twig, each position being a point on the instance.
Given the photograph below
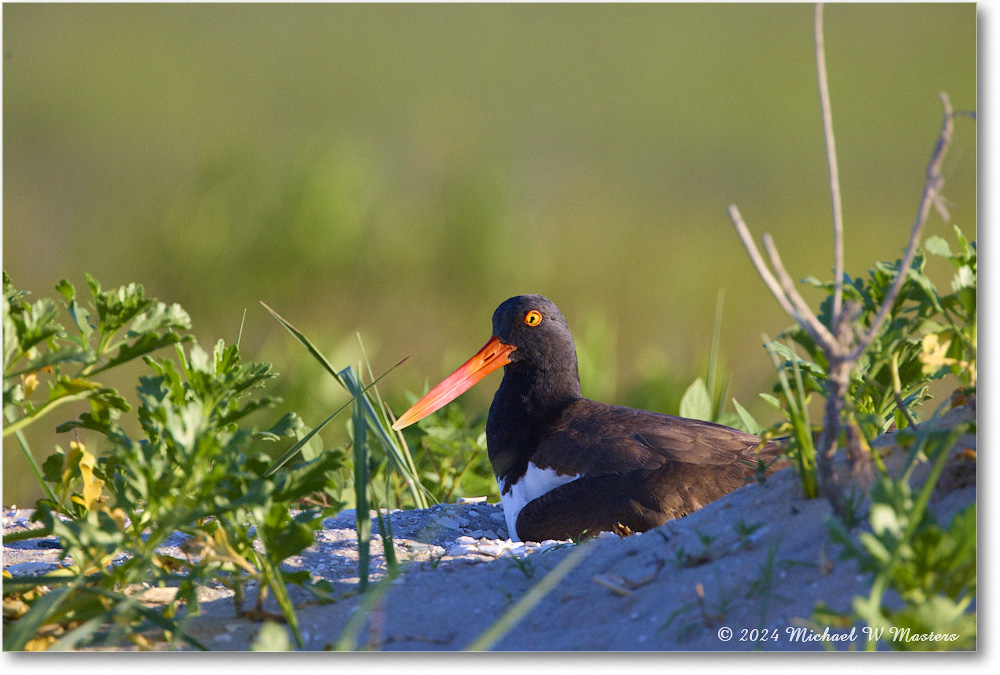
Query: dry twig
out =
(831, 156)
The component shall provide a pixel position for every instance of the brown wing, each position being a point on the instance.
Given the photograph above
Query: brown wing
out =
(597, 438)
(628, 502)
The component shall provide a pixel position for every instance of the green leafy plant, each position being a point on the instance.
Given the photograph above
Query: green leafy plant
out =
(193, 469)
(927, 334)
(745, 531)
(452, 458)
(872, 350)
(46, 365)
(526, 566)
(843, 340)
(931, 568)
(952, 343)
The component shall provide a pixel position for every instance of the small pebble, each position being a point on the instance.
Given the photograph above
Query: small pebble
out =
(495, 550)
(420, 546)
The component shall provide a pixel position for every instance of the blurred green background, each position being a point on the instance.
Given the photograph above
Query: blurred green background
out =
(399, 170)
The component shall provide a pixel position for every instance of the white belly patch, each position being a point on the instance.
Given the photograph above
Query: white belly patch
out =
(532, 485)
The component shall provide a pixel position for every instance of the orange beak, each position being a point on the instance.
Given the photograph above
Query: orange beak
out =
(493, 355)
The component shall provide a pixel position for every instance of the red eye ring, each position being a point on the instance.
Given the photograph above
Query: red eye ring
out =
(533, 318)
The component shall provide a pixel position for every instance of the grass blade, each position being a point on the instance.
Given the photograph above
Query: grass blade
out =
(239, 334)
(804, 454)
(79, 634)
(396, 439)
(385, 531)
(25, 628)
(361, 484)
(297, 334)
(348, 641)
(749, 423)
(536, 594)
(713, 359)
(391, 442)
(295, 449)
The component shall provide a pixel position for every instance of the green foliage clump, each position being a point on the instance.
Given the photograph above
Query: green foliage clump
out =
(120, 326)
(927, 335)
(192, 469)
(452, 457)
(932, 569)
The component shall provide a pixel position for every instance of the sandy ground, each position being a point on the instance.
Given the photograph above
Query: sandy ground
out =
(761, 557)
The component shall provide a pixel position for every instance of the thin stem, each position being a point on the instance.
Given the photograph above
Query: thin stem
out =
(826, 339)
(32, 462)
(758, 262)
(806, 319)
(18, 424)
(831, 158)
(713, 352)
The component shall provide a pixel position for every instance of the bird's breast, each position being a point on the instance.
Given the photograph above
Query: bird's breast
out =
(533, 484)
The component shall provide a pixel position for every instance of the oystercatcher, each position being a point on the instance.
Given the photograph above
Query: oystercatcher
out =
(568, 466)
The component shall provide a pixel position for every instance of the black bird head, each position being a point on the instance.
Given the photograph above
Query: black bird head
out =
(535, 327)
(530, 336)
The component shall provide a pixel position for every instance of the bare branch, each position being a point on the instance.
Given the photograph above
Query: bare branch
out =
(792, 303)
(932, 190)
(831, 157)
(817, 331)
(758, 262)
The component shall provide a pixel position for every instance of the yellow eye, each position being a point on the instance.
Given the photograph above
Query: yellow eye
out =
(533, 318)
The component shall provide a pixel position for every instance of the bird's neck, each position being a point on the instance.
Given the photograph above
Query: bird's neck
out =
(537, 392)
(528, 402)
